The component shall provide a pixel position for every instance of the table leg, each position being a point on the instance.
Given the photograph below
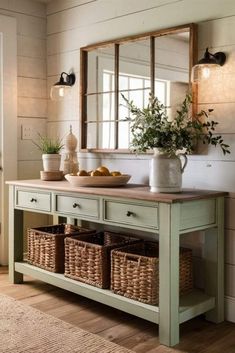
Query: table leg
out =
(15, 238)
(214, 265)
(71, 220)
(169, 216)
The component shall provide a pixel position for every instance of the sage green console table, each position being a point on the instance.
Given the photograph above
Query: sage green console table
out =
(132, 207)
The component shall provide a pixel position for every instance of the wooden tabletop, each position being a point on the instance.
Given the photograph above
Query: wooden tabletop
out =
(130, 191)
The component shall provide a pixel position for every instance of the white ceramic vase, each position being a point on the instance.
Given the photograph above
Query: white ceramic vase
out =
(51, 162)
(166, 172)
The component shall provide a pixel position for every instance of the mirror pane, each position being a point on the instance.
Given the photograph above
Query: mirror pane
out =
(106, 106)
(123, 134)
(172, 69)
(92, 135)
(100, 107)
(106, 135)
(134, 64)
(101, 135)
(92, 114)
(100, 77)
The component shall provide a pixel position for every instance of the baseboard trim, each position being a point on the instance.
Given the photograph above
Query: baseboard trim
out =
(230, 308)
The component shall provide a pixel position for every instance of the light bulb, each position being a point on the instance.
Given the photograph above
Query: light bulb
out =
(206, 72)
(61, 92)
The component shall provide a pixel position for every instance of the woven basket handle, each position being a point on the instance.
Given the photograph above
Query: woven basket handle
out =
(132, 258)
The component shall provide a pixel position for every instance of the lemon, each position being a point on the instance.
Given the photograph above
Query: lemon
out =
(96, 173)
(116, 173)
(82, 173)
(104, 170)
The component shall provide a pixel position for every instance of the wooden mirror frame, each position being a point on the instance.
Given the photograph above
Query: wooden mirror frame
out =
(192, 28)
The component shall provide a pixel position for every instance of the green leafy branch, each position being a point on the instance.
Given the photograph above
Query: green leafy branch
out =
(151, 128)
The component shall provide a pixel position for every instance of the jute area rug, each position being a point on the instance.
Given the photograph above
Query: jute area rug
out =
(24, 329)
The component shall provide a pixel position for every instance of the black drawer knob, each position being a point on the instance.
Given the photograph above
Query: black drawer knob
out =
(129, 213)
(33, 200)
(76, 205)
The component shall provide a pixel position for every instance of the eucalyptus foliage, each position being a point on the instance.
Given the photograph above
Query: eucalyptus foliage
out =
(48, 145)
(151, 128)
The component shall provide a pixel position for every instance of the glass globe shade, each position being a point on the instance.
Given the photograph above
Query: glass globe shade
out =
(59, 92)
(202, 72)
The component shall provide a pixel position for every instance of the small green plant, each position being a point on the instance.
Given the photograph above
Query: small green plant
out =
(48, 145)
(151, 128)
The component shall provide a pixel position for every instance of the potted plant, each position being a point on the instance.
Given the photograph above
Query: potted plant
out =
(151, 129)
(50, 149)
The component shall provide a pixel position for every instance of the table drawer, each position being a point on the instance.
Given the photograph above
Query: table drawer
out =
(79, 206)
(196, 214)
(138, 215)
(40, 201)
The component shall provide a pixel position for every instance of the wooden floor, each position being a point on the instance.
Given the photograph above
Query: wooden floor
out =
(136, 334)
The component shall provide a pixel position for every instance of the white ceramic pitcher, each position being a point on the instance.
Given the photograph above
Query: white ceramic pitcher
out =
(166, 172)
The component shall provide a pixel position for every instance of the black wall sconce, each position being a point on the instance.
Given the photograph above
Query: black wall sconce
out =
(63, 87)
(202, 70)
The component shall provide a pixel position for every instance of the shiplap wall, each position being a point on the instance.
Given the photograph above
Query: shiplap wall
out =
(75, 23)
(31, 60)
(32, 89)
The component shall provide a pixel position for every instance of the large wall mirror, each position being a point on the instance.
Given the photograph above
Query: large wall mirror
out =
(157, 62)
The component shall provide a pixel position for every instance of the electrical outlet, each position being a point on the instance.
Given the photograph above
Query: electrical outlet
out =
(27, 132)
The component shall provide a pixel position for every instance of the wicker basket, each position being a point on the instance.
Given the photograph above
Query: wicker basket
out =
(46, 245)
(135, 272)
(87, 257)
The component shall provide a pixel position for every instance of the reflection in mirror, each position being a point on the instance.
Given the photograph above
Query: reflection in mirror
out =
(134, 82)
(92, 114)
(157, 62)
(172, 70)
(123, 134)
(92, 135)
(100, 135)
(100, 107)
(134, 70)
(106, 106)
(100, 64)
(106, 138)
(123, 125)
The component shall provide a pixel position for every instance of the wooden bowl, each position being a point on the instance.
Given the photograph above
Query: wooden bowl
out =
(107, 181)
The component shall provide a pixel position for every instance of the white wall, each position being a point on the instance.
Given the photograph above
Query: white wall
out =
(31, 59)
(76, 23)
(32, 89)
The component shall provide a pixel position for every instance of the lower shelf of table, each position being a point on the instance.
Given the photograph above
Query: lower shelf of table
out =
(191, 305)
